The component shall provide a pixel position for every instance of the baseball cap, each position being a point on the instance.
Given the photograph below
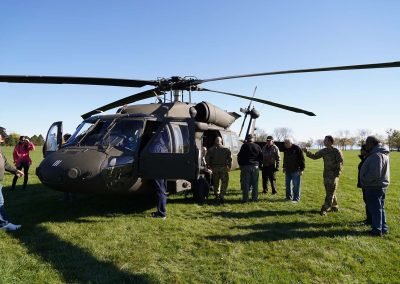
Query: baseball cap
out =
(270, 137)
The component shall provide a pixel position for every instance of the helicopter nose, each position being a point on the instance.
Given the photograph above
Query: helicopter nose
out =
(73, 170)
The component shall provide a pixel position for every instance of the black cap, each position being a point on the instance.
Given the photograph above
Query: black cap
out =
(249, 137)
(3, 132)
(270, 137)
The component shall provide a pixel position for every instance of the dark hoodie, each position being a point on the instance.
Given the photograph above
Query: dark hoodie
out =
(375, 171)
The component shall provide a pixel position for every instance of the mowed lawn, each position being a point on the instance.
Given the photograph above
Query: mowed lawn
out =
(105, 239)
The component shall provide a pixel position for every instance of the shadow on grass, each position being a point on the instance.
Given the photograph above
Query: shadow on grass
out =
(277, 231)
(76, 265)
(263, 213)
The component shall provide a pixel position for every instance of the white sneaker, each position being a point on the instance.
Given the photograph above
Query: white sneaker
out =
(295, 202)
(10, 227)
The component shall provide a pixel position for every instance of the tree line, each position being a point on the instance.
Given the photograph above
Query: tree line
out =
(344, 139)
(13, 139)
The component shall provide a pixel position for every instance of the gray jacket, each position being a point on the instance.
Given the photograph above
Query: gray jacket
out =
(375, 171)
(4, 166)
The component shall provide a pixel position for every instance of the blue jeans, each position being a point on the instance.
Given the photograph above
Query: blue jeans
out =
(249, 181)
(375, 199)
(293, 178)
(3, 217)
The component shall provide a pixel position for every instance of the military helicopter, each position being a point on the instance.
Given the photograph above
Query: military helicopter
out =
(114, 154)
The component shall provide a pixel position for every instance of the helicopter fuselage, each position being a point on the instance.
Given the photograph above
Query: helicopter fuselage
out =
(114, 154)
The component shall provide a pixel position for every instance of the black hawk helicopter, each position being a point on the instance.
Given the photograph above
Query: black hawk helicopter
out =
(115, 153)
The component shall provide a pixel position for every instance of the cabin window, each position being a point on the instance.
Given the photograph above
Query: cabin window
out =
(227, 140)
(235, 144)
(181, 137)
(162, 142)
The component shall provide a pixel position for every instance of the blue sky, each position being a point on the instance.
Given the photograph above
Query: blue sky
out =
(150, 39)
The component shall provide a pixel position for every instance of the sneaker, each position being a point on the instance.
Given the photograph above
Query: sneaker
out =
(334, 209)
(10, 227)
(295, 201)
(157, 215)
(323, 213)
(265, 191)
(274, 193)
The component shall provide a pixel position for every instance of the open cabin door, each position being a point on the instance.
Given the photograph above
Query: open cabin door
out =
(171, 152)
(53, 138)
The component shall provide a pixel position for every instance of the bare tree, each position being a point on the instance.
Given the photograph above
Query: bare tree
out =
(282, 133)
(390, 135)
(343, 139)
(320, 143)
(261, 135)
(362, 135)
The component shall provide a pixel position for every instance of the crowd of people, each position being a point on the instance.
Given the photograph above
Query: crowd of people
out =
(373, 177)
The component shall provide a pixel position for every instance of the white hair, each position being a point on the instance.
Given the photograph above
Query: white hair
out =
(288, 139)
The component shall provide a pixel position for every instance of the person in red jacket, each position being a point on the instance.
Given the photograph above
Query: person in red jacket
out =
(22, 159)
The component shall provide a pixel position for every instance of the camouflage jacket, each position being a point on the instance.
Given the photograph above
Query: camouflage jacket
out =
(271, 156)
(219, 156)
(333, 161)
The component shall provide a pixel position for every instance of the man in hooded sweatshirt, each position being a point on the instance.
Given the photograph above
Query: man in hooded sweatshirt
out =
(375, 178)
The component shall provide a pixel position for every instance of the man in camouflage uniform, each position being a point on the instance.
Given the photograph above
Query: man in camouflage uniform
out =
(219, 159)
(333, 164)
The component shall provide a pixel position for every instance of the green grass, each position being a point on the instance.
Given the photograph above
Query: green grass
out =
(101, 239)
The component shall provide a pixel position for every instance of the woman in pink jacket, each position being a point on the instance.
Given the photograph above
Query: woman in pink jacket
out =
(22, 159)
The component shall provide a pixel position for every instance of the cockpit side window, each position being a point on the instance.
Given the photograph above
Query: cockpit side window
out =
(162, 142)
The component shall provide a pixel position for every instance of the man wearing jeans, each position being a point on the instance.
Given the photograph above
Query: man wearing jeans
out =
(293, 167)
(4, 166)
(375, 178)
(249, 159)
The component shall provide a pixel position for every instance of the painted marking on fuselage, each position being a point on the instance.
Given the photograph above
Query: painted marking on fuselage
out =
(56, 163)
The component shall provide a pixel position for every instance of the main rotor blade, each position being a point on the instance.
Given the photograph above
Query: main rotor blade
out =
(324, 69)
(76, 80)
(131, 99)
(294, 109)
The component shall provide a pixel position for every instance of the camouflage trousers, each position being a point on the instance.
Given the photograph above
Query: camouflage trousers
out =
(220, 174)
(330, 197)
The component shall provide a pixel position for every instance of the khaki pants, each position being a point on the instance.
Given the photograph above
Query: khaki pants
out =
(330, 197)
(220, 173)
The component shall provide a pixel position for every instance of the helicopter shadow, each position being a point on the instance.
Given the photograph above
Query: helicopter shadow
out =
(76, 265)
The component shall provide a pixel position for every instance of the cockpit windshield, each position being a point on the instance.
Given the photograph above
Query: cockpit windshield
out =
(122, 133)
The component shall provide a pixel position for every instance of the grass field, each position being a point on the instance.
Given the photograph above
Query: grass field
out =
(101, 239)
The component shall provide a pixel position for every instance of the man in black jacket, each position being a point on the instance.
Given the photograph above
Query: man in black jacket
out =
(293, 167)
(249, 159)
(4, 166)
